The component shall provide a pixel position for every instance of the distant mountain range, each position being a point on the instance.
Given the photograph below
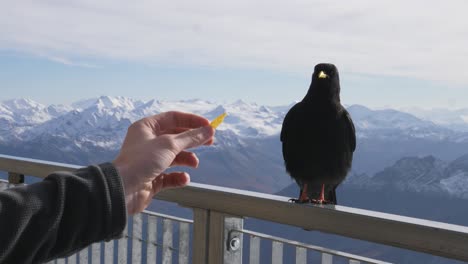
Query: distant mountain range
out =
(456, 119)
(247, 152)
(96, 120)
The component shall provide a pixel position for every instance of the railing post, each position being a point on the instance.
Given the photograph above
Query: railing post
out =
(225, 244)
(215, 237)
(200, 236)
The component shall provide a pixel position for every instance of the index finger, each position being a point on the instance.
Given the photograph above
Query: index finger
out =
(175, 119)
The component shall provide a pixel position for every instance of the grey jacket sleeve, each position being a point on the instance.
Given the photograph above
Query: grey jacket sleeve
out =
(61, 215)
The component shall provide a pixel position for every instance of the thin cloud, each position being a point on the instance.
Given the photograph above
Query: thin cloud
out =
(422, 39)
(69, 62)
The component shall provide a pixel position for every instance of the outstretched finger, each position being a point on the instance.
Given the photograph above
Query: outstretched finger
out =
(170, 180)
(173, 119)
(186, 158)
(174, 130)
(194, 137)
(178, 130)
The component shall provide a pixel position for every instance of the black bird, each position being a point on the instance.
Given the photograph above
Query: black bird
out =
(319, 138)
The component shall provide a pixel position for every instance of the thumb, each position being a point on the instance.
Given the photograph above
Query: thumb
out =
(194, 137)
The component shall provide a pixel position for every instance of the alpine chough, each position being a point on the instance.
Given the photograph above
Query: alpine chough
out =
(318, 139)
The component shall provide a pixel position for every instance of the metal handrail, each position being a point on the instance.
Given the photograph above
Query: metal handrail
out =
(436, 238)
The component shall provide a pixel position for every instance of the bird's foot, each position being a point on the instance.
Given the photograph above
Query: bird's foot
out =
(292, 200)
(320, 201)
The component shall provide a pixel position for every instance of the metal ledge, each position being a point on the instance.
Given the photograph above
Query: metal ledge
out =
(33, 167)
(426, 236)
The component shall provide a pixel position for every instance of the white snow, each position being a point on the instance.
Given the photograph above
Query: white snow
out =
(456, 184)
(107, 117)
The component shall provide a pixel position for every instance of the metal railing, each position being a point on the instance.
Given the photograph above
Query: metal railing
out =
(141, 243)
(218, 233)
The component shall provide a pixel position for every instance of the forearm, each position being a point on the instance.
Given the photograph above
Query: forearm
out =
(60, 215)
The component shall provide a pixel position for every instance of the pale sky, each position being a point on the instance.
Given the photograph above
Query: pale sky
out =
(389, 53)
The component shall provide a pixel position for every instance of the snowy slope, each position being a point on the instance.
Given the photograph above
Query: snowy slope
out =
(456, 119)
(247, 150)
(101, 114)
(421, 174)
(20, 115)
(102, 121)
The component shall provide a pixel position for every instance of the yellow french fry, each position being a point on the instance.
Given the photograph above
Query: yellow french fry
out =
(218, 120)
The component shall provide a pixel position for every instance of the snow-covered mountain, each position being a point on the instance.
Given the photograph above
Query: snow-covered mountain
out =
(247, 147)
(104, 120)
(101, 120)
(420, 174)
(456, 119)
(390, 123)
(20, 115)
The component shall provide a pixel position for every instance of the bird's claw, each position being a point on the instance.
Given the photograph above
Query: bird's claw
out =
(320, 201)
(292, 200)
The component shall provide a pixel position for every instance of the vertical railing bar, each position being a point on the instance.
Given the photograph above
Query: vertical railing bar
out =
(83, 255)
(184, 241)
(352, 261)
(167, 242)
(72, 259)
(122, 247)
(277, 253)
(151, 249)
(301, 255)
(254, 254)
(137, 238)
(108, 252)
(200, 235)
(96, 253)
(327, 258)
(215, 237)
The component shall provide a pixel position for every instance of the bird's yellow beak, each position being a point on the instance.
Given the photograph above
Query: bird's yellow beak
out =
(322, 75)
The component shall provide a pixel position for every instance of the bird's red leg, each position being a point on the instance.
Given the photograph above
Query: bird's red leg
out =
(304, 198)
(322, 193)
(321, 200)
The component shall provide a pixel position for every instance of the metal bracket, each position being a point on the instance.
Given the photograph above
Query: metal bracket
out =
(233, 242)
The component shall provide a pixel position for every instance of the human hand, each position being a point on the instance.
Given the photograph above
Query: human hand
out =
(154, 144)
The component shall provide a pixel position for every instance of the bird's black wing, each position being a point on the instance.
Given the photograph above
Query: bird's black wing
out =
(290, 121)
(350, 130)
